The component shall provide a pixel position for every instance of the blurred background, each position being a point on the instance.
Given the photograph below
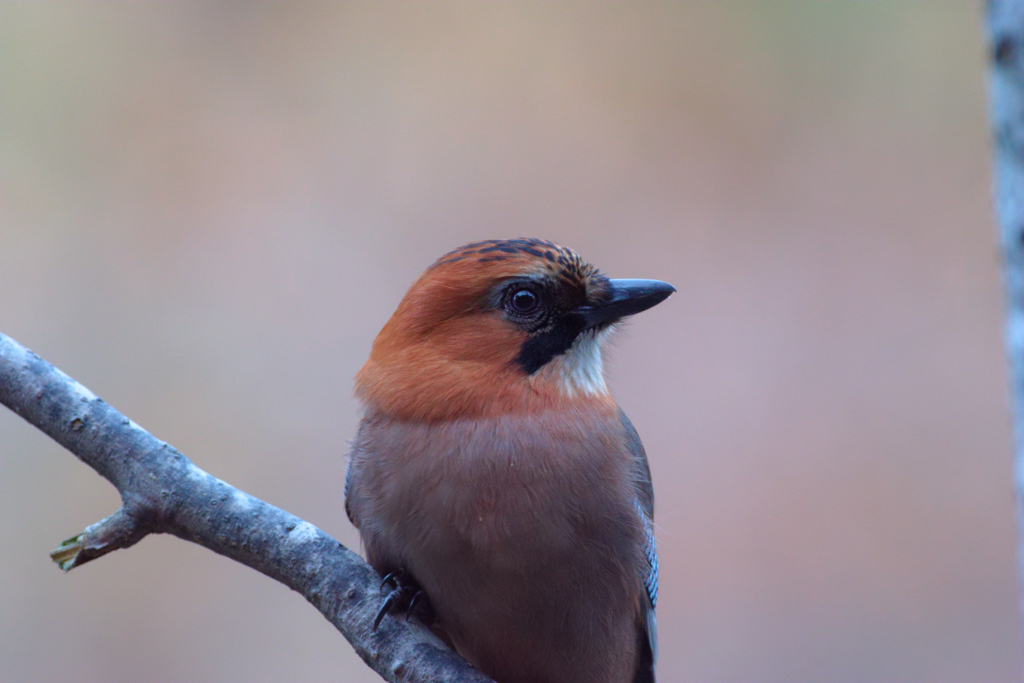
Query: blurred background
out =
(207, 211)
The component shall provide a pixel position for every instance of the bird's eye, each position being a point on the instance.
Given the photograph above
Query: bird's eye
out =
(523, 302)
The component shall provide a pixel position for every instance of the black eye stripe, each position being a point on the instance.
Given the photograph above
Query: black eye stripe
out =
(553, 341)
(539, 307)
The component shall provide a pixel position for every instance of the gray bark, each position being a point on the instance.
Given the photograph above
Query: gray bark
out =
(163, 492)
(1005, 24)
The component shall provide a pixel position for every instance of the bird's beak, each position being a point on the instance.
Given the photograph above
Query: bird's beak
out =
(622, 298)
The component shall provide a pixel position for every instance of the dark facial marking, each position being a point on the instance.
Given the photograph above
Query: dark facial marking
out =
(543, 346)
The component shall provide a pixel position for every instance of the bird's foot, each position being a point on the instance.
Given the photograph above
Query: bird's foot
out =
(405, 596)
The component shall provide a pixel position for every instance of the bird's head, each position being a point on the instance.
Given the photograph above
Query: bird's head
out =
(498, 327)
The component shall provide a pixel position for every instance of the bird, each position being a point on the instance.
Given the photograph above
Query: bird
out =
(494, 480)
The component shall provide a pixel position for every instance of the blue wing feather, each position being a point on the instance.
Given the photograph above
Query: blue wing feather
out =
(651, 553)
(645, 507)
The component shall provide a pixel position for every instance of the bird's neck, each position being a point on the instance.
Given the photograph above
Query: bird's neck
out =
(447, 390)
(579, 372)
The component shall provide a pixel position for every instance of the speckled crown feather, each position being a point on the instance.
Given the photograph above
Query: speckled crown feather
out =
(561, 260)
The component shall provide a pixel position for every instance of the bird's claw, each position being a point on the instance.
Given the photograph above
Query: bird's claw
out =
(417, 599)
(391, 579)
(405, 596)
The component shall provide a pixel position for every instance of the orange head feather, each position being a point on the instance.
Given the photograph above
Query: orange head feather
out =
(497, 327)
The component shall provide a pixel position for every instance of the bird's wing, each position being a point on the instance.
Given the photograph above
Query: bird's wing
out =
(356, 463)
(349, 476)
(645, 506)
(348, 495)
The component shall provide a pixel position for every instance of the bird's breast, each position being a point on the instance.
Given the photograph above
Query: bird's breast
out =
(485, 486)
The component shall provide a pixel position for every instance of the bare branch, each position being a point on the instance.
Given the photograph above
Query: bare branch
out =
(163, 492)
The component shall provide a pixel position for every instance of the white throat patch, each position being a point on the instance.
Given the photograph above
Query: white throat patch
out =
(579, 370)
